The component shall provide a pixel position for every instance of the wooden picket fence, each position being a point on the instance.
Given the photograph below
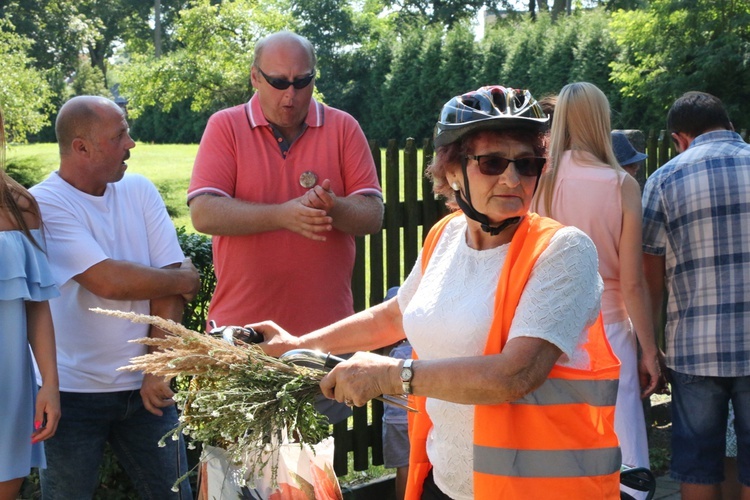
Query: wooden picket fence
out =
(410, 208)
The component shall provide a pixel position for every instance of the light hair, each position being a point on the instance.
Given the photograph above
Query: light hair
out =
(285, 36)
(581, 122)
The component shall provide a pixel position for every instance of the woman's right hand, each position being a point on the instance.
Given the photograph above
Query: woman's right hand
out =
(276, 340)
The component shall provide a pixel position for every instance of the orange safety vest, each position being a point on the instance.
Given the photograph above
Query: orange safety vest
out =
(557, 441)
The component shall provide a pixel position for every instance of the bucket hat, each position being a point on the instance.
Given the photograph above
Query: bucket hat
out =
(624, 151)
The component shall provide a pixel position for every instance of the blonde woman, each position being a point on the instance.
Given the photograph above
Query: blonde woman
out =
(26, 417)
(585, 187)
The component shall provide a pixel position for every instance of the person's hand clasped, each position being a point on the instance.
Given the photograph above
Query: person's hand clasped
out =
(156, 394)
(305, 220)
(361, 378)
(193, 277)
(321, 196)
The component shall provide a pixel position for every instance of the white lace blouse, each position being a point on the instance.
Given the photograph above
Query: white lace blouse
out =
(447, 313)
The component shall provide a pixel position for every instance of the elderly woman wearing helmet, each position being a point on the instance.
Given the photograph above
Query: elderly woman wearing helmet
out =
(512, 374)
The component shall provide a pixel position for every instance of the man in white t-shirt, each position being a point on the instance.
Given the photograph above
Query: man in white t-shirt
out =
(112, 245)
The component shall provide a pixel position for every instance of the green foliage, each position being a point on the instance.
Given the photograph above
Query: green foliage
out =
(461, 59)
(445, 13)
(676, 46)
(495, 46)
(25, 96)
(198, 248)
(211, 65)
(26, 171)
(179, 125)
(89, 80)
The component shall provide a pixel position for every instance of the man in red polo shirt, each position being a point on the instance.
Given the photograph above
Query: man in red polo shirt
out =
(284, 183)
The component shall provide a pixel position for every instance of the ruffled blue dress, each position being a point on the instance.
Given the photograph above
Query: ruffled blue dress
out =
(24, 275)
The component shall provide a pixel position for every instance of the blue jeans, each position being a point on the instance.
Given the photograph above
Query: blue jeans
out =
(700, 406)
(88, 421)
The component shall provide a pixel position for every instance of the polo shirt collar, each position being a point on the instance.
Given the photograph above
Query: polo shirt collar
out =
(315, 115)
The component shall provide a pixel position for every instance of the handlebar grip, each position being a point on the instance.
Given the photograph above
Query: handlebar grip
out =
(247, 335)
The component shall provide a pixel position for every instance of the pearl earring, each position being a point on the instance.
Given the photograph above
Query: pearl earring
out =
(455, 186)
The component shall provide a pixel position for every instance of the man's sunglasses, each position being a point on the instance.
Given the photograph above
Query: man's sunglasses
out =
(530, 166)
(281, 84)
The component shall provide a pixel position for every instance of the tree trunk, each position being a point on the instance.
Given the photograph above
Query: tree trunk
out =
(558, 7)
(157, 28)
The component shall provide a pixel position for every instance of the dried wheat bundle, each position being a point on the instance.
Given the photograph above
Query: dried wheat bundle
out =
(238, 398)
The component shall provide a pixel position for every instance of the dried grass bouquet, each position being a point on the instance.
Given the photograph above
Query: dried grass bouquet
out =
(239, 398)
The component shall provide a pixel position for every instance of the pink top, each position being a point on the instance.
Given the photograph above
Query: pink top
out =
(588, 195)
(282, 276)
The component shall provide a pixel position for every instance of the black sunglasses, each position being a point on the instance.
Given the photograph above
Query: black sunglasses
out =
(281, 84)
(530, 166)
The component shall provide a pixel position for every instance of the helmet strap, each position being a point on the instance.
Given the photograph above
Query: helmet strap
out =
(468, 208)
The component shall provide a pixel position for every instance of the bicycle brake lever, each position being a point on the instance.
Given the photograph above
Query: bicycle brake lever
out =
(233, 333)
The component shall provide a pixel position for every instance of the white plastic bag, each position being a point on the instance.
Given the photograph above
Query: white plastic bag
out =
(303, 472)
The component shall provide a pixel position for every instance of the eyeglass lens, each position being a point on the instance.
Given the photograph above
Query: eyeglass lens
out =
(495, 165)
(281, 84)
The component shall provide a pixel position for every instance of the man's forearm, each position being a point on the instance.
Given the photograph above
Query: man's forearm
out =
(358, 215)
(122, 280)
(218, 215)
(171, 307)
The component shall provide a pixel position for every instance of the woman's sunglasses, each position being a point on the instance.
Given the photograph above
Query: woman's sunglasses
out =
(530, 166)
(281, 84)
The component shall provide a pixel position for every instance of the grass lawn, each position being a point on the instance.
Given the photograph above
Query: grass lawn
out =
(168, 166)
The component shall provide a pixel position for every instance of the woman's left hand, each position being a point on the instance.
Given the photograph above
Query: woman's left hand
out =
(361, 378)
(47, 413)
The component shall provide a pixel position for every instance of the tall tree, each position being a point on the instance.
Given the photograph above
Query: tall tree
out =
(675, 46)
(211, 65)
(63, 30)
(24, 94)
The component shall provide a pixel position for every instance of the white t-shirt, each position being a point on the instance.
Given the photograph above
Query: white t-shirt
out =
(129, 222)
(447, 313)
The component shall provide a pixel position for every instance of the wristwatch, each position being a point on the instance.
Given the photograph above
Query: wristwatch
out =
(406, 375)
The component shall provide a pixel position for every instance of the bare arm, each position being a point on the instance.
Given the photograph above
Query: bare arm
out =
(522, 367)
(41, 335)
(357, 215)
(123, 280)
(218, 215)
(378, 326)
(634, 288)
(654, 267)
(155, 391)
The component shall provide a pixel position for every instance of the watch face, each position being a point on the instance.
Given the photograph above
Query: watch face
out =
(406, 373)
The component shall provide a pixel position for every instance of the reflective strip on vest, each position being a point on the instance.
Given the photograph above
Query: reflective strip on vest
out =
(557, 391)
(546, 463)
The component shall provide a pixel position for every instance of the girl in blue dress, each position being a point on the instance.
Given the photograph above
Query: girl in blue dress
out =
(26, 417)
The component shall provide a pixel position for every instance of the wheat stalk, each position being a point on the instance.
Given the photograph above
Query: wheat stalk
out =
(232, 396)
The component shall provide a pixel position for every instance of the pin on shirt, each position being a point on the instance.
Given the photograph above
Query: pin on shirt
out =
(308, 179)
